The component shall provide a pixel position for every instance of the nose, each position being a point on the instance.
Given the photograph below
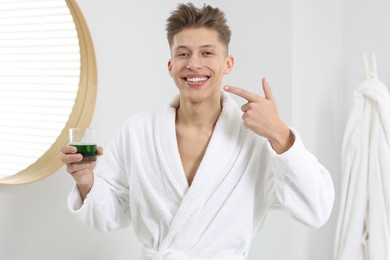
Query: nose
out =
(194, 63)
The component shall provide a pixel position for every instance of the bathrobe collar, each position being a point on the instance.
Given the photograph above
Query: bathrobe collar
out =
(215, 163)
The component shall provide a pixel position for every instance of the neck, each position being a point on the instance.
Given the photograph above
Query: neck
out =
(201, 115)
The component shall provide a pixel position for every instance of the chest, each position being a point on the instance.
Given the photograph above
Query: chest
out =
(192, 146)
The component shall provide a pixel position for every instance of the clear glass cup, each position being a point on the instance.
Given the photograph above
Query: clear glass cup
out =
(84, 140)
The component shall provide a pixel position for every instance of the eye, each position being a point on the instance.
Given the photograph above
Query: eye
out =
(208, 53)
(182, 54)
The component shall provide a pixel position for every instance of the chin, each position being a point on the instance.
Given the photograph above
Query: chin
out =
(200, 96)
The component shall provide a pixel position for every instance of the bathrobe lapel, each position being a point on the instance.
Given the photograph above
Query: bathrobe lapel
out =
(218, 158)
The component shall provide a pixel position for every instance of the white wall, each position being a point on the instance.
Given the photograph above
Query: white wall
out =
(366, 31)
(317, 104)
(299, 45)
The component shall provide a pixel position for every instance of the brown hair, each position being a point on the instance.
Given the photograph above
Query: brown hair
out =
(188, 16)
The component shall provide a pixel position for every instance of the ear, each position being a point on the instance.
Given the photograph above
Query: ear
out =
(170, 67)
(229, 64)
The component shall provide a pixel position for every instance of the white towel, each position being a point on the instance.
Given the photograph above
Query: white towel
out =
(363, 229)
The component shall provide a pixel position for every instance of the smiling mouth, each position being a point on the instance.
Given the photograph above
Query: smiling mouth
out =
(196, 79)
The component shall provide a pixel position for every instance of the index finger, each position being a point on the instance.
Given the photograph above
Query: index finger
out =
(251, 97)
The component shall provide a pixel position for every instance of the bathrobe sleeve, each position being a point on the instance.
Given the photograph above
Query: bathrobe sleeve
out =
(106, 206)
(300, 185)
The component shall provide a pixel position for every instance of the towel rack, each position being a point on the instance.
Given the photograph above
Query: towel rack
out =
(370, 71)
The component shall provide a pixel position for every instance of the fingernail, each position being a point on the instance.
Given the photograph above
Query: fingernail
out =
(226, 87)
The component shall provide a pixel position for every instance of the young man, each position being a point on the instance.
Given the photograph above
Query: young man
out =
(197, 178)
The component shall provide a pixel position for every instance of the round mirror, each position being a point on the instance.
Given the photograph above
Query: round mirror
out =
(48, 84)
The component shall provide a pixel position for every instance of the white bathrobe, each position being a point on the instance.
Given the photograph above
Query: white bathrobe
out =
(363, 229)
(140, 180)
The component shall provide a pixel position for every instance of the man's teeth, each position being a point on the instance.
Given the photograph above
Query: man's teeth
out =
(197, 79)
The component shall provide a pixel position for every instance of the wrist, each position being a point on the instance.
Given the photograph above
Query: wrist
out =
(84, 189)
(282, 140)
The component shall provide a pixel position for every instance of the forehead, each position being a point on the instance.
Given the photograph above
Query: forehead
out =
(196, 37)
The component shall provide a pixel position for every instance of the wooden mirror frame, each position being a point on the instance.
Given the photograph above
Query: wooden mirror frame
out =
(82, 111)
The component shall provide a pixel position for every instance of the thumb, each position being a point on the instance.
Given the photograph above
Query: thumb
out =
(267, 90)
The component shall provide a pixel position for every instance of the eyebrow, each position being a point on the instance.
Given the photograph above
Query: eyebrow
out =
(201, 47)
